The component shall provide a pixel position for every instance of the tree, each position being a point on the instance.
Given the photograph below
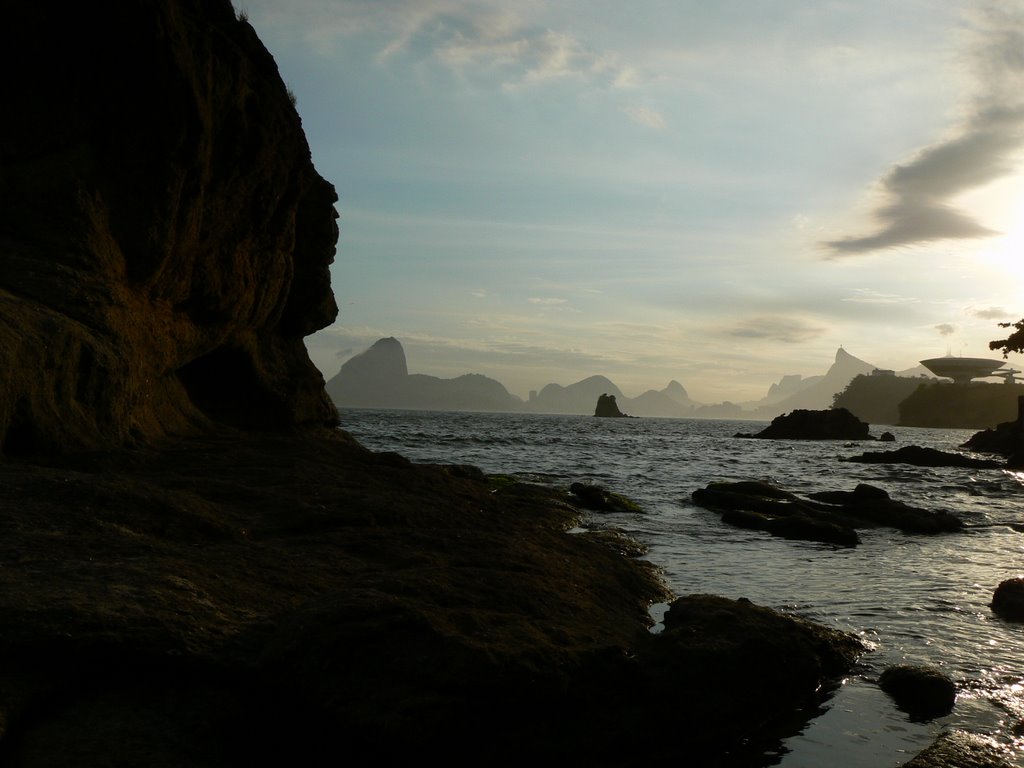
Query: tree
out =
(1012, 343)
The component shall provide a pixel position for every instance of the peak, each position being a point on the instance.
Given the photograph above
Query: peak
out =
(676, 390)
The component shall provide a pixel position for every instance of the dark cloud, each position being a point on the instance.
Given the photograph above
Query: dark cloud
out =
(945, 329)
(992, 313)
(918, 193)
(785, 329)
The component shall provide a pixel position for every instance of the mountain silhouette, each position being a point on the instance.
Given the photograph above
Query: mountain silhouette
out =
(819, 392)
(379, 378)
(575, 398)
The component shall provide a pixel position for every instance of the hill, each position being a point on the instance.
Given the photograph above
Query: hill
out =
(876, 399)
(816, 395)
(379, 378)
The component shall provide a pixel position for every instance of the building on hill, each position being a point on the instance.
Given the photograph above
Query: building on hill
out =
(964, 369)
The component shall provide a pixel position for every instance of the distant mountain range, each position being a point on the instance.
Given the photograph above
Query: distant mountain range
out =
(379, 378)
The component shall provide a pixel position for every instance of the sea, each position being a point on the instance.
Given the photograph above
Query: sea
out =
(916, 599)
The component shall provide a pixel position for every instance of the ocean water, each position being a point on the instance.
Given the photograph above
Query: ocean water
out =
(915, 599)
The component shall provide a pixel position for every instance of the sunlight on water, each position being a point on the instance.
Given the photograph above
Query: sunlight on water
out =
(917, 599)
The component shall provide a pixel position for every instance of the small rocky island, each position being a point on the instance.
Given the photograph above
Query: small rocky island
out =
(829, 424)
(607, 407)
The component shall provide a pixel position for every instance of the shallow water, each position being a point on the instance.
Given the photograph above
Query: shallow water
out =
(917, 599)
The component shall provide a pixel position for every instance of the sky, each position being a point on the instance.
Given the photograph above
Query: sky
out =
(717, 193)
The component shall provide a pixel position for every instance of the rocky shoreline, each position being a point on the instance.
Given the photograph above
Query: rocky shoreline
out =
(198, 568)
(163, 606)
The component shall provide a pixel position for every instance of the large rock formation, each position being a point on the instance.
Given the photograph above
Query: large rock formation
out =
(165, 241)
(164, 237)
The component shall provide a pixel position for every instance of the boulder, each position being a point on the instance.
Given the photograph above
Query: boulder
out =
(165, 237)
(924, 457)
(887, 437)
(922, 692)
(718, 666)
(831, 424)
(1008, 599)
(606, 406)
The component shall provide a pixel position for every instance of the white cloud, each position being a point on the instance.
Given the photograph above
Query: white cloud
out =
(867, 296)
(646, 116)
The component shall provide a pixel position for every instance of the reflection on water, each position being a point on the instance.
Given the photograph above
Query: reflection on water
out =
(918, 599)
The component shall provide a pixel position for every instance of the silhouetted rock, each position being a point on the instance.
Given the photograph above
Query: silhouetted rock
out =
(606, 406)
(832, 424)
(960, 749)
(1008, 599)
(887, 437)
(166, 238)
(714, 659)
(922, 692)
(1006, 439)
(923, 457)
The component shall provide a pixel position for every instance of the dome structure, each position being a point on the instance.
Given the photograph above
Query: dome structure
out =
(962, 369)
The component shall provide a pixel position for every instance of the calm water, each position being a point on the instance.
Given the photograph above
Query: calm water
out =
(916, 599)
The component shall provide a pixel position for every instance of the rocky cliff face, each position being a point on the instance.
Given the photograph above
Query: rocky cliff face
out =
(164, 237)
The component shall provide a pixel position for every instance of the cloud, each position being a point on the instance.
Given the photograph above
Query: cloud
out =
(788, 330)
(992, 313)
(492, 44)
(917, 205)
(945, 329)
(646, 117)
(868, 296)
(546, 302)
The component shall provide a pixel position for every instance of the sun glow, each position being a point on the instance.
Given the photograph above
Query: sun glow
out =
(1000, 206)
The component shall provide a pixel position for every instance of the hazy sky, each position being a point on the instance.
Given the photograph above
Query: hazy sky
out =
(719, 193)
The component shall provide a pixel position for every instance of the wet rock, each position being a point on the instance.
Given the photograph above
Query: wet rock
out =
(923, 457)
(1008, 599)
(719, 666)
(922, 692)
(959, 749)
(831, 424)
(600, 499)
(828, 516)
(887, 437)
(870, 506)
